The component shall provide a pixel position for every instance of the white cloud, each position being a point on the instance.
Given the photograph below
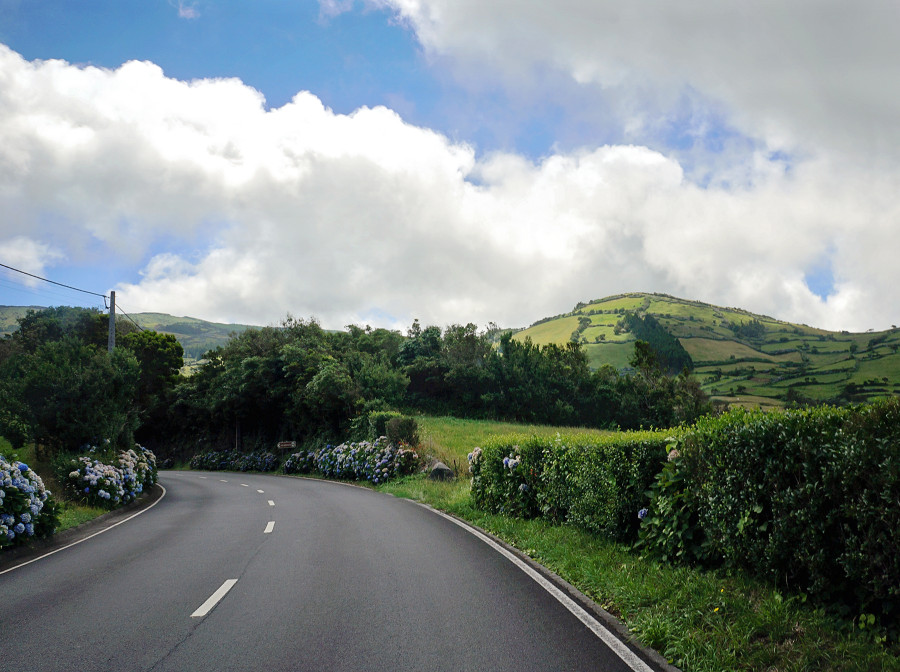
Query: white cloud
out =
(804, 76)
(187, 11)
(343, 217)
(27, 255)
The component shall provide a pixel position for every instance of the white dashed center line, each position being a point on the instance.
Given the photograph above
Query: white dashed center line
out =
(214, 599)
(269, 527)
(271, 503)
(260, 491)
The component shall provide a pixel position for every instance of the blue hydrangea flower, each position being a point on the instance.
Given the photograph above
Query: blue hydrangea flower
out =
(642, 514)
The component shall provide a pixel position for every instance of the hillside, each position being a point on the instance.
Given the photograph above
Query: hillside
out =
(739, 357)
(196, 336)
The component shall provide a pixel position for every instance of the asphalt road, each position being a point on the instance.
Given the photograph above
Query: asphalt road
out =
(310, 575)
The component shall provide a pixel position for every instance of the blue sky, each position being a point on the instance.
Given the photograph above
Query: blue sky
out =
(450, 160)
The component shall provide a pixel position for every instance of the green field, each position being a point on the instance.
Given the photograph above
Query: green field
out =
(452, 439)
(738, 353)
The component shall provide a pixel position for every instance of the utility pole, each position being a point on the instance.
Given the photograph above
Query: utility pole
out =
(111, 344)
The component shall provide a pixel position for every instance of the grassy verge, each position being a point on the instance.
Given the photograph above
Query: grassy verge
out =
(699, 620)
(451, 439)
(74, 514)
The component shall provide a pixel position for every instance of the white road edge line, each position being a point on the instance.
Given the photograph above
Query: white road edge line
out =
(613, 642)
(271, 502)
(75, 543)
(269, 527)
(214, 599)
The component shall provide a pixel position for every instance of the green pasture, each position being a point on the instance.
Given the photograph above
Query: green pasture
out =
(626, 302)
(555, 331)
(452, 439)
(711, 350)
(616, 354)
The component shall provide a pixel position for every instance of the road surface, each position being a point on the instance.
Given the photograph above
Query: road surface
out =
(254, 572)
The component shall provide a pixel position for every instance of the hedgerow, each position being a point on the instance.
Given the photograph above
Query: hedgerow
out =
(232, 460)
(376, 461)
(809, 499)
(596, 484)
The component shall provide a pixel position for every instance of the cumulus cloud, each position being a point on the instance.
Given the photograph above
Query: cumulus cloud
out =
(187, 11)
(30, 256)
(366, 218)
(801, 76)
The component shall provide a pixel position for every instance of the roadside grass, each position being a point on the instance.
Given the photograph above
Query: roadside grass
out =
(73, 514)
(700, 621)
(452, 439)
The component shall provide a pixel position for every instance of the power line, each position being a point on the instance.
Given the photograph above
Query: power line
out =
(53, 282)
(119, 310)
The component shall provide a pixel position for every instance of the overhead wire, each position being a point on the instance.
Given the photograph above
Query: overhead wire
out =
(53, 282)
(105, 297)
(119, 310)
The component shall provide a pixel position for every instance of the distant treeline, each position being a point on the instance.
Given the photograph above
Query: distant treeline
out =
(298, 381)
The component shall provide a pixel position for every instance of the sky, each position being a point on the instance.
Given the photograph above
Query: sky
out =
(373, 162)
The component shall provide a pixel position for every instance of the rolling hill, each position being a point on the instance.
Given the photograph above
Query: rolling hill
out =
(196, 336)
(739, 357)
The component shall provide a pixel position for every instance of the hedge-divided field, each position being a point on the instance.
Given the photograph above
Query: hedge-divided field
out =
(809, 499)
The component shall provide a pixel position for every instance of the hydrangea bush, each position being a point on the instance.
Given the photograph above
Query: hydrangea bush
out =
(376, 461)
(302, 462)
(26, 508)
(110, 485)
(232, 460)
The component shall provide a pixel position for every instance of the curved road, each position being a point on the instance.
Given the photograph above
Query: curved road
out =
(253, 572)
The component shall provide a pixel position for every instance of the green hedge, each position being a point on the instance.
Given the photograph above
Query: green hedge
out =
(809, 499)
(599, 485)
(375, 424)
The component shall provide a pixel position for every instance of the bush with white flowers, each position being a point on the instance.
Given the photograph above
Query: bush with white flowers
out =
(376, 461)
(111, 485)
(26, 508)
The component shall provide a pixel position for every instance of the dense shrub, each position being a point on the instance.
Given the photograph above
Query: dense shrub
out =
(392, 424)
(301, 462)
(375, 461)
(402, 430)
(233, 460)
(87, 478)
(806, 498)
(598, 485)
(26, 508)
